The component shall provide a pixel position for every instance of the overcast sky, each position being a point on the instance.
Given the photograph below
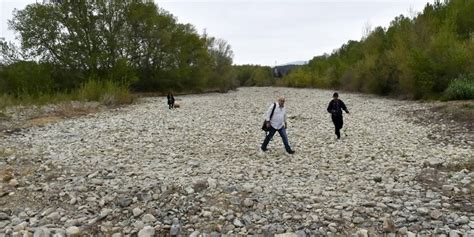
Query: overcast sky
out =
(267, 32)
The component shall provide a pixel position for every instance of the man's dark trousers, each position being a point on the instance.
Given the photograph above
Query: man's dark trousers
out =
(284, 137)
(338, 122)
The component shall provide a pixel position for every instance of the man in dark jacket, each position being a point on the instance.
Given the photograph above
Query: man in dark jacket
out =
(335, 108)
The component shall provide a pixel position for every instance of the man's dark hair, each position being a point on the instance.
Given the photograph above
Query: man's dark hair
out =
(335, 94)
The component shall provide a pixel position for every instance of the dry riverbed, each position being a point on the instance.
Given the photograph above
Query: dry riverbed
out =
(135, 169)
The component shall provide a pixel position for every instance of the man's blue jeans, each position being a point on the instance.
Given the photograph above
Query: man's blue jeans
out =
(271, 133)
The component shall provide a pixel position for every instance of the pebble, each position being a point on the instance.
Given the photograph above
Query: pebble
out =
(200, 163)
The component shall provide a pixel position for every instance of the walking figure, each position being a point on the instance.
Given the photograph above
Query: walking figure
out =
(276, 121)
(335, 108)
(170, 98)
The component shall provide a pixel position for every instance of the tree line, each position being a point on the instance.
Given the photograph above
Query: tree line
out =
(126, 44)
(429, 56)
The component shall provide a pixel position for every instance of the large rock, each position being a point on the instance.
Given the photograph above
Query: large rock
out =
(422, 210)
(73, 231)
(148, 218)
(287, 235)
(124, 202)
(237, 223)
(4, 216)
(358, 220)
(14, 183)
(137, 212)
(388, 225)
(248, 202)
(435, 214)
(462, 220)
(42, 232)
(147, 231)
(363, 233)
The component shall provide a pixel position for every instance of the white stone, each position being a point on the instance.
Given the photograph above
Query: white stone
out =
(147, 231)
(14, 183)
(148, 218)
(73, 231)
(137, 211)
(287, 235)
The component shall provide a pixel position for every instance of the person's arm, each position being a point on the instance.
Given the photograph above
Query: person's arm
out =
(343, 106)
(269, 112)
(330, 107)
(284, 119)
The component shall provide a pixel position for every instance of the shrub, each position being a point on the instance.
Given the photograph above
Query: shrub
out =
(6, 101)
(106, 92)
(461, 88)
(26, 77)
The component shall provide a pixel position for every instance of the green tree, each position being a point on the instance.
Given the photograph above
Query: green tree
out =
(127, 42)
(416, 58)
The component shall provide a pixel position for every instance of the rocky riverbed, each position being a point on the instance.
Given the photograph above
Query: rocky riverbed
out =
(145, 170)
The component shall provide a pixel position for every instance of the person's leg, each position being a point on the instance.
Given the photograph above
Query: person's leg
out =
(339, 126)
(342, 122)
(334, 121)
(268, 138)
(337, 120)
(284, 137)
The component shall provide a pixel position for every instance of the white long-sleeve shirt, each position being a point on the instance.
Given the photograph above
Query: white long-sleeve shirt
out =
(279, 116)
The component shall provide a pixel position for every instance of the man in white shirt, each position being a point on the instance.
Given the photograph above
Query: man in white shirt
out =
(277, 122)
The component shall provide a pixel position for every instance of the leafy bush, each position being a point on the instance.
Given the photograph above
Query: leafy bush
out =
(5, 101)
(26, 77)
(412, 58)
(106, 92)
(461, 88)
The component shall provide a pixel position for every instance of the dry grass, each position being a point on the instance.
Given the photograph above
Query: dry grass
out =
(4, 152)
(458, 166)
(3, 115)
(459, 111)
(6, 174)
(41, 121)
(38, 117)
(67, 110)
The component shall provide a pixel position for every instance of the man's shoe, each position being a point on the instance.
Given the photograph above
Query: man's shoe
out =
(264, 150)
(291, 152)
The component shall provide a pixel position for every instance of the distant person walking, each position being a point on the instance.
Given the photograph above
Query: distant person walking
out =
(170, 98)
(335, 108)
(275, 120)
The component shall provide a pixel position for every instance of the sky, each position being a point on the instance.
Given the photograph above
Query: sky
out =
(269, 32)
